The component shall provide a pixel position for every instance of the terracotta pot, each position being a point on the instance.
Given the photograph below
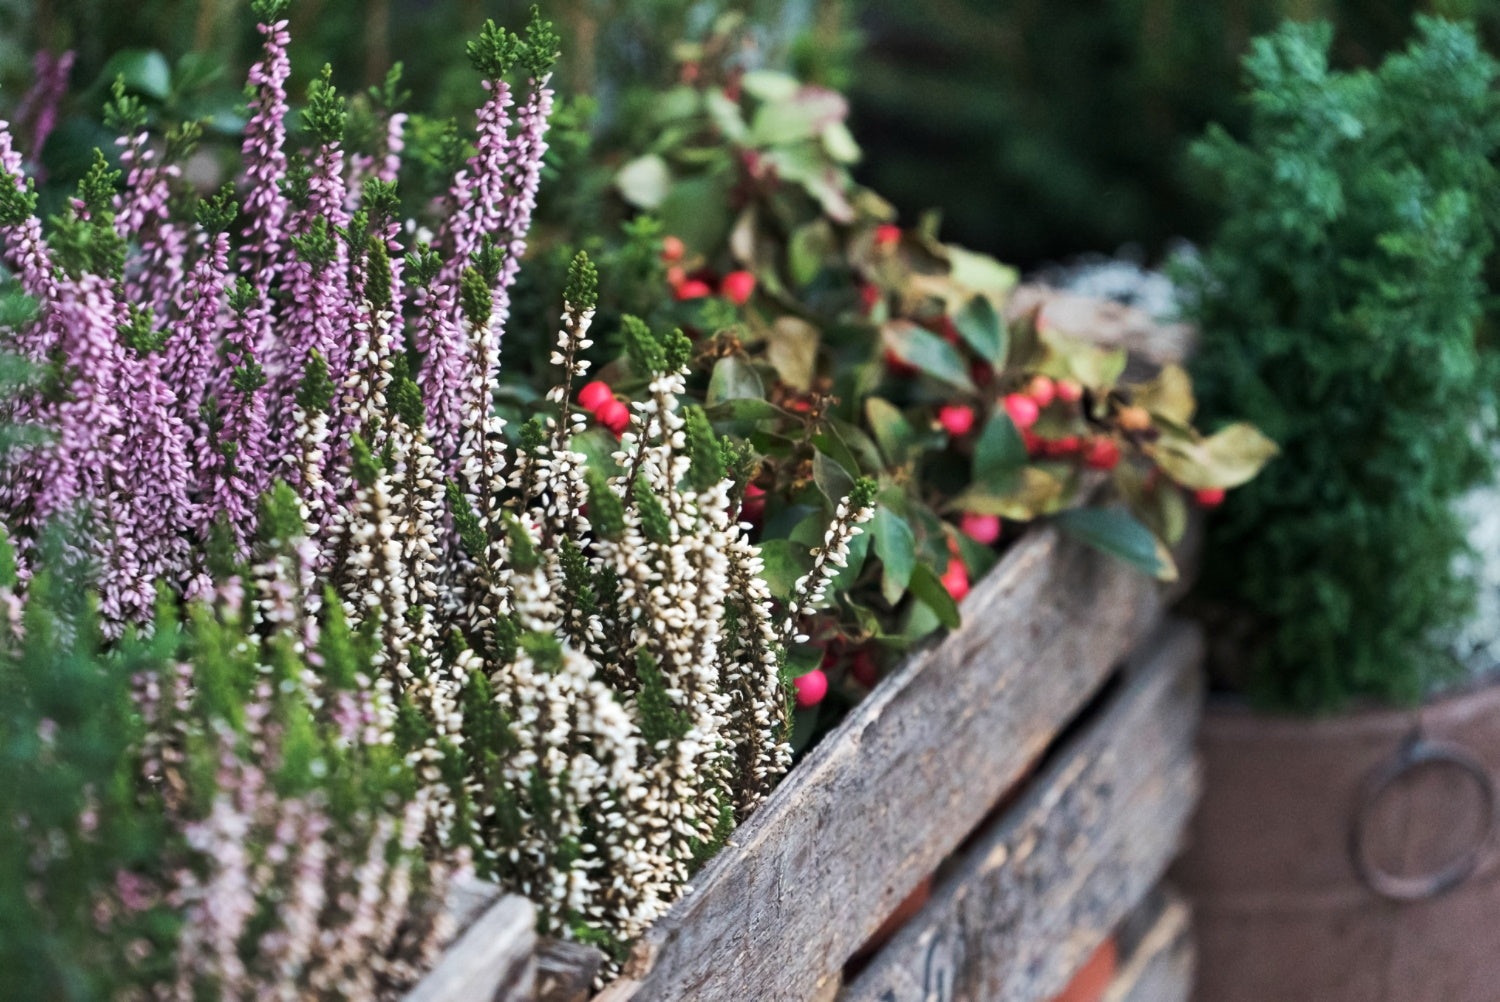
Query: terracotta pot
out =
(1349, 859)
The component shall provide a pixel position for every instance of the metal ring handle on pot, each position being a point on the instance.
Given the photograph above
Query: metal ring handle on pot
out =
(1414, 754)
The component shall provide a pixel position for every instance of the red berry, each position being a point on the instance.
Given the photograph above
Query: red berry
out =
(676, 276)
(1066, 445)
(595, 395)
(1069, 391)
(1042, 390)
(1035, 444)
(693, 289)
(863, 670)
(983, 529)
(614, 415)
(956, 419)
(887, 235)
(956, 579)
(811, 688)
(1102, 454)
(869, 295)
(672, 250)
(1022, 409)
(753, 508)
(737, 287)
(898, 366)
(1209, 497)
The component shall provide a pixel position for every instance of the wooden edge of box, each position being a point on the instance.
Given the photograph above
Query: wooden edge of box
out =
(493, 958)
(1037, 893)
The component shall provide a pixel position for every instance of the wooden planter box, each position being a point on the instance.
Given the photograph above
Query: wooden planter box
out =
(1038, 786)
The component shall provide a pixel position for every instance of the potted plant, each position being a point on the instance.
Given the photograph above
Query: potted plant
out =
(1344, 845)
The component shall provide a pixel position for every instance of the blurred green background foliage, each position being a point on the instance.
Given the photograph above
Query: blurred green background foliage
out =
(1040, 130)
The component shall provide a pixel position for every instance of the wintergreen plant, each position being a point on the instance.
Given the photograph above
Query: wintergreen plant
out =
(1338, 302)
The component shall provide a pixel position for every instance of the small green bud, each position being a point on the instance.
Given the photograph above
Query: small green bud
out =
(582, 289)
(523, 552)
(703, 450)
(216, 213)
(378, 274)
(124, 113)
(542, 44)
(646, 355)
(495, 51)
(280, 515)
(655, 523)
(470, 533)
(474, 297)
(315, 395)
(365, 468)
(533, 434)
(139, 333)
(326, 110)
(243, 297)
(545, 651)
(424, 263)
(269, 11)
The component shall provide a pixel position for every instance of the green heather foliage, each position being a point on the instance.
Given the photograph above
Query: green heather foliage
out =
(1339, 303)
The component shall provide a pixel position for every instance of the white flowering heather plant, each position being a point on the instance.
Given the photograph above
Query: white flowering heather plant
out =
(578, 662)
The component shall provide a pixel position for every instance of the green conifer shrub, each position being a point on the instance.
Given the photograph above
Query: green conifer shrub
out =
(1339, 302)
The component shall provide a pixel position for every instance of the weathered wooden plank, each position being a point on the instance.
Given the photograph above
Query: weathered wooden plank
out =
(907, 775)
(565, 971)
(1038, 893)
(493, 959)
(1158, 961)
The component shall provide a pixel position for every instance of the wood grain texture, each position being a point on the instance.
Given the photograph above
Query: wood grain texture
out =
(1158, 966)
(1037, 893)
(909, 773)
(493, 960)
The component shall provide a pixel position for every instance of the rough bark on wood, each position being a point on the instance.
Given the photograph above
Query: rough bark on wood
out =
(493, 959)
(1037, 894)
(907, 775)
(1158, 962)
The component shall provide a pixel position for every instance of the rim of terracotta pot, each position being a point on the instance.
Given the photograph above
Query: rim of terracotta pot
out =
(1231, 714)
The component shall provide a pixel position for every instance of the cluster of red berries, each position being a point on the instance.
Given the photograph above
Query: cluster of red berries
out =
(599, 400)
(813, 686)
(737, 286)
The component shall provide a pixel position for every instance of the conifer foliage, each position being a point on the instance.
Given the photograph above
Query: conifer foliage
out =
(1339, 303)
(412, 640)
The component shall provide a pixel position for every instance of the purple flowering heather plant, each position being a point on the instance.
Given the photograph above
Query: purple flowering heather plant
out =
(577, 659)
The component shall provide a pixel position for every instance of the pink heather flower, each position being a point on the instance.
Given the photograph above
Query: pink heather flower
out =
(192, 347)
(38, 109)
(88, 419)
(390, 164)
(155, 272)
(150, 511)
(265, 162)
(493, 197)
(240, 460)
(25, 249)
